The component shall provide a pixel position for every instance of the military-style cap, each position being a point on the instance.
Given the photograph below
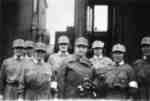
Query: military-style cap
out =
(119, 47)
(18, 43)
(81, 41)
(29, 43)
(63, 39)
(98, 44)
(40, 46)
(146, 41)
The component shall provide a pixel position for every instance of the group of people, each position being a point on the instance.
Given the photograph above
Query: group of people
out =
(27, 76)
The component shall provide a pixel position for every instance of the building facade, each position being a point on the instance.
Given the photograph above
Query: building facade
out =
(128, 22)
(17, 20)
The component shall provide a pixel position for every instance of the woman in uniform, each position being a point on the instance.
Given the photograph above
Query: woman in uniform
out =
(76, 69)
(11, 85)
(99, 60)
(100, 63)
(142, 68)
(37, 76)
(120, 78)
(57, 59)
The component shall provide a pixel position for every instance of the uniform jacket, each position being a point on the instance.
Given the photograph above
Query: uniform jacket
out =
(72, 74)
(142, 68)
(101, 65)
(57, 59)
(37, 78)
(11, 83)
(122, 74)
(117, 79)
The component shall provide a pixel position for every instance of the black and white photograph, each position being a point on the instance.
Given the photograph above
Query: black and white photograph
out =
(74, 50)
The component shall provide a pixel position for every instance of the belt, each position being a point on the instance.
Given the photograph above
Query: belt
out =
(13, 83)
(117, 88)
(43, 86)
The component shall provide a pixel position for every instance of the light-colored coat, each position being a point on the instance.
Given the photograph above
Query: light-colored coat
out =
(57, 59)
(37, 78)
(101, 62)
(11, 83)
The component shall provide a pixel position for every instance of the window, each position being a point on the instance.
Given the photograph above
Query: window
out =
(101, 18)
(34, 6)
(89, 19)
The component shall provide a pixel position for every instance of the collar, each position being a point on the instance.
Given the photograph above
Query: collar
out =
(36, 61)
(78, 58)
(121, 63)
(15, 57)
(61, 53)
(18, 58)
(144, 57)
(98, 57)
(28, 58)
(84, 60)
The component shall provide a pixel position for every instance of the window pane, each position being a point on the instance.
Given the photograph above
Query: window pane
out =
(101, 18)
(34, 6)
(89, 19)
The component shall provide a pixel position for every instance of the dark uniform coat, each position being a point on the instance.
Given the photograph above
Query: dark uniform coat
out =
(72, 74)
(142, 68)
(11, 83)
(117, 79)
(37, 81)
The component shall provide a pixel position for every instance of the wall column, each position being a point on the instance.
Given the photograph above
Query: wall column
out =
(80, 17)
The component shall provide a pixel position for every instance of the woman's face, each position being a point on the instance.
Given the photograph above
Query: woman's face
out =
(117, 56)
(98, 51)
(39, 55)
(146, 50)
(19, 51)
(81, 50)
(29, 51)
(63, 47)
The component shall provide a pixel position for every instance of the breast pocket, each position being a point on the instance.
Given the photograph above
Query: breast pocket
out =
(73, 78)
(43, 77)
(123, 77)
(12, 72)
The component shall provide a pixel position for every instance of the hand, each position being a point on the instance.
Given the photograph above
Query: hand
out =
(54, 84)
(130, 99)
(20, 99)
(1, 97)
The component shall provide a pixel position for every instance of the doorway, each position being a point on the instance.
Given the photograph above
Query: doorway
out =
(129, 23)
